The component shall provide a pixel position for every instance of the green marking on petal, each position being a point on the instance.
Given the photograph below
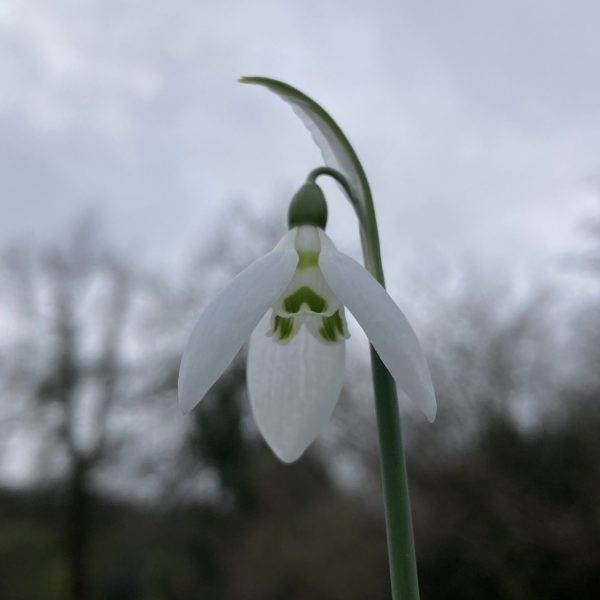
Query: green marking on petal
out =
(304, 295)
(332, 327)
(306, 260)
(283, 328)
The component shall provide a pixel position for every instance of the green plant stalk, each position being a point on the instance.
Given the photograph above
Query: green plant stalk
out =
(396, 497)
(401, 545)
(338, 151)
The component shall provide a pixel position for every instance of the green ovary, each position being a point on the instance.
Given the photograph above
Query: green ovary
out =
(332, 327)
(304, 295)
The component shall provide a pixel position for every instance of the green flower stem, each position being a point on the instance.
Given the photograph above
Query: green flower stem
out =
(401, 546)
(339, 153)
(312, 178)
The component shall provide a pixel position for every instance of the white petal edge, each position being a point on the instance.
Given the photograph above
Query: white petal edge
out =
(293, 388)
(384, 323)
(227, 322)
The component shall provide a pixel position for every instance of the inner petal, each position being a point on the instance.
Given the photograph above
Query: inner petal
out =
(304, 296)
(308, 299)
(334, 327)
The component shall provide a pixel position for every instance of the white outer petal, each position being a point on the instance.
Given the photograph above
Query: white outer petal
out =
(229, 319)
(386, 327)
(293, 388)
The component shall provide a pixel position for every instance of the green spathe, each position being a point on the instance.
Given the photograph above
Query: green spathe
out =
(308, 207)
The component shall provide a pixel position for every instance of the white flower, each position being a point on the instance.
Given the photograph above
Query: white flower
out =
(290, 303)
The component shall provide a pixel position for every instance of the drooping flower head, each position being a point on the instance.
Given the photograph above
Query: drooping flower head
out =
(291, 305)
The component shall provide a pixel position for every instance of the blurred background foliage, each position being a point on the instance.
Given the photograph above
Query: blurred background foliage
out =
(108, 493)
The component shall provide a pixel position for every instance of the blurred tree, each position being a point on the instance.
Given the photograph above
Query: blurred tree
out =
(505, 499)
(219, 438)
(518, 517)
(77, 314)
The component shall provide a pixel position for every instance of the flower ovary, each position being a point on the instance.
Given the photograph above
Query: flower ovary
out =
(308, 207)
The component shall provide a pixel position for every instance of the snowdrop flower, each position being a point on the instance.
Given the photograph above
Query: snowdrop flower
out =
(291, 305)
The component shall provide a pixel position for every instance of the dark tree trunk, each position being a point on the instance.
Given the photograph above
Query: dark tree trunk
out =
(78, 533)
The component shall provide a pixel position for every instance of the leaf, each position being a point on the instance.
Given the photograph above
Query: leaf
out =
(334, 145)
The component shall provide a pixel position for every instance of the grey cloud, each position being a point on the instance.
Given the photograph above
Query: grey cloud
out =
(477, 123)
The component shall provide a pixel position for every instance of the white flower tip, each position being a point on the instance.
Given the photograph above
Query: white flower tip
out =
(287, 455)
(430, 410)
(184, 409)
(426, 400)
(187, 402)
(188, 391)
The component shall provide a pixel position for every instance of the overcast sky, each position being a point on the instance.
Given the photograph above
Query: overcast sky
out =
(478, 122)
